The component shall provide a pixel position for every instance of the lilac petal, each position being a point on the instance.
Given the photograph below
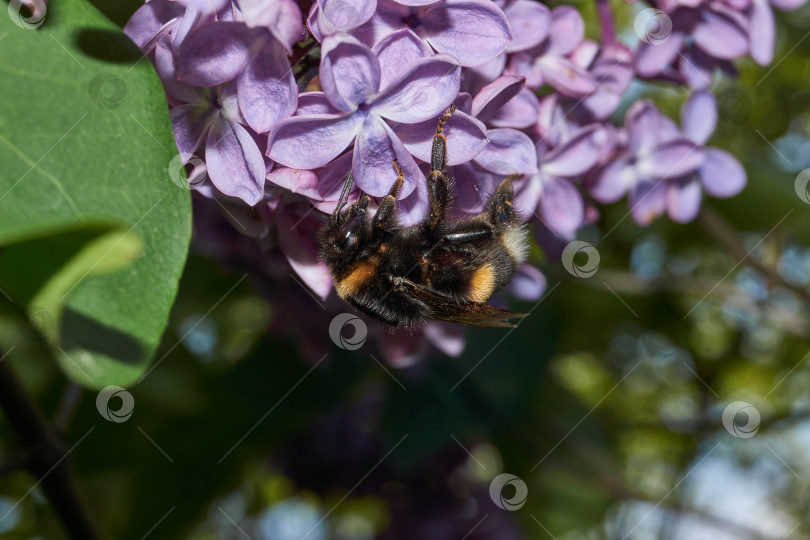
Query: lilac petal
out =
(617, 178)
(653, 58)
(205, 6)
(578, 154)
(332, 178)
(374, 152)
(509, 151)
(586, 52)
(697, 68)
(699, 116)
(522, 64)
(683, 199)
(281, 17)
(671, 160)
(214, 53)
(647, 127)
(648, 200)
(473, 31)
(477, 77)
(762, 31)
(149, 20)
(310, 103)
(312, 23)
(520, 112)
(495, 95)
(344, 15)
(466, 138)
(386, 20)
(528, 190)
(266, 89)
(566, 32)
(529, 21)
(349, 73)
(613, 70)
(401, 350)
(721, 174)
(529, 283)
(422, 91)
(302, 254)
(447, 337)
(720, 35)
(166, 67)
(561, 205)
(235, 164)
(299, 181)
(397, 51)
(787, 5)
(309, 142)
(188, 22)
(473, 187)
(551, 119)
(416, 3)
(189, 123)
(566, 77)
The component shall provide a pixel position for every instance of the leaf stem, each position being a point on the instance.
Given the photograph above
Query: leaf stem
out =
(45, 454)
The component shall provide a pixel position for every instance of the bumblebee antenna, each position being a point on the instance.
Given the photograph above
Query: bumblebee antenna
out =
(344, 194)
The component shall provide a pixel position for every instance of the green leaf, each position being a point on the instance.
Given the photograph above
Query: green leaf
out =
(86, 147)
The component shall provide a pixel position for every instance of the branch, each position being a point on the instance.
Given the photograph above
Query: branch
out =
(727, 237)
(45, 455)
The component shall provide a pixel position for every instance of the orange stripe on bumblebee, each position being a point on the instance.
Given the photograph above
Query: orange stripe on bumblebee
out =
(482, 284)
(354, 280)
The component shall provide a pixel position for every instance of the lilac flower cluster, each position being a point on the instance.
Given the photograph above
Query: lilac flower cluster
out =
(281, 108)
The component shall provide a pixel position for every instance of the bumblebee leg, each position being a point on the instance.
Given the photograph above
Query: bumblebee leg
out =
(463, 237)
(437, 184)
(500, 203)
(357, 208)
(388, 205)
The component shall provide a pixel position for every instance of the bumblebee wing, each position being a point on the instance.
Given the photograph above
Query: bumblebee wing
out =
(445, 308)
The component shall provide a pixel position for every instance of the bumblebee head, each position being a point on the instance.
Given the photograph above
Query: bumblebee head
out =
(346, 231)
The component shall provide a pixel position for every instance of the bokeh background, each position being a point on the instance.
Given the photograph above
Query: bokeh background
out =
(608, 402)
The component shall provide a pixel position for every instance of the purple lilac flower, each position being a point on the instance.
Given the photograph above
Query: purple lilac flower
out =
(664, 168)
(548, 189)
(705, 35)
(350, 76)
(472, 31)
(762, 27)
(549, 62)
(219, 52)
(720, 175)
(210, 117)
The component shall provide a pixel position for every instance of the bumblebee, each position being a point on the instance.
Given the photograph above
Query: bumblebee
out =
(438, 269)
